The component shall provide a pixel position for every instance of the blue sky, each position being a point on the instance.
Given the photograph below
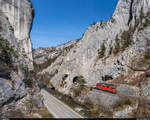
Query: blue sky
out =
(59, 21)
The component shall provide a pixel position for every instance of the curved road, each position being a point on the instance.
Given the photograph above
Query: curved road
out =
(57, 108)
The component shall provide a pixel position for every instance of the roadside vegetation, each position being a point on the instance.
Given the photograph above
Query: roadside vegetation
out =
(45, 113)
(101, 51)
(86, 110)
(125, 103)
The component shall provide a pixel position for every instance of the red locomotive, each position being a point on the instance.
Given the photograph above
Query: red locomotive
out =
(106, 87)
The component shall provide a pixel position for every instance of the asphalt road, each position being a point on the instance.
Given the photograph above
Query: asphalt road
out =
(57, 108)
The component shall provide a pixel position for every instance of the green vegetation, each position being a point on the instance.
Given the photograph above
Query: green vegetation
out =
(110, 51)
(126, 38)
(117, 45)
(112, 20)
(40, 67)
(144, 20)
(127, 102)
(6, 47)
(45, 113)
(88, 110)
(7, 54)
(66, 50)
(56, 71)
(147, 54)
(101, 51)
(31, 72)
(102, 24)
(29, 82)
(77, 91)
(63, 84)
(38, 56)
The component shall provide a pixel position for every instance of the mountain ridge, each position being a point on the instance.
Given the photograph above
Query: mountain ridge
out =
(118, 48)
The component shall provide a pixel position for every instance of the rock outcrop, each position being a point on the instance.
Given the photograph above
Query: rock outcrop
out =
(16, 62)
(20, 15)
(118, 48)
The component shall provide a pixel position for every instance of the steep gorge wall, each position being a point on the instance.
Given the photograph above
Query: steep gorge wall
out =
(20, 15)
(16, 17)
(118, 48)
(86, 57)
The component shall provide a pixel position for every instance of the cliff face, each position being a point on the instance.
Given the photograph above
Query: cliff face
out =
(16, 17)
(116, 51)
(20, 16)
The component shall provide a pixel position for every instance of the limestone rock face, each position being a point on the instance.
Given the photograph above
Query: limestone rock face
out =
(20, 15)
(107, 101)
(118, 48)
(16, 17)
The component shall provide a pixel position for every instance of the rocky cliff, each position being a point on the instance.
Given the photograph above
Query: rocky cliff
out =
(20, 15)
(16, 17)
(116, 51)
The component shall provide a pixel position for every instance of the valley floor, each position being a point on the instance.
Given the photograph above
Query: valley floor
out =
(57, 108)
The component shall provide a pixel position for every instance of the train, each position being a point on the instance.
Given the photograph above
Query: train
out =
(106, 87)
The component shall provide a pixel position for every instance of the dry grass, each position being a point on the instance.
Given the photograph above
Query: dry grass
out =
(124, 104)
(143, 111)
(138, 68)
(80, 90)
(41, 113)
(45, 113)
(97, 111)
(131, 78)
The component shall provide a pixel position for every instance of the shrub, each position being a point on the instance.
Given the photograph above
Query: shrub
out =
(117, 45)
(66, 50)
(127, 38)
(38, 56)
(40, 67)
(110, 51)
(45, 113)
(56, 71)
(101, 51)
(142, 15)
(6, 52)
(112, 20)
(31, 72)
(77, 91)
(127, 102)
(147, 54)
(146, 18)
(29, 82)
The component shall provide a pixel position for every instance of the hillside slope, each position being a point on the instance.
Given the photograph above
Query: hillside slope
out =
(116, 51)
